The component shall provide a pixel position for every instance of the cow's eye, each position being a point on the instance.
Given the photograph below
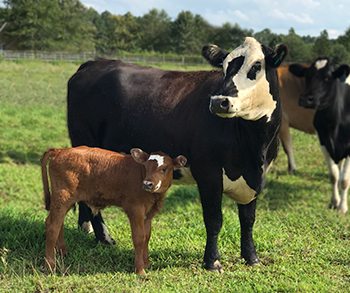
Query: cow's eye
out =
(163, 171)
(254, 70)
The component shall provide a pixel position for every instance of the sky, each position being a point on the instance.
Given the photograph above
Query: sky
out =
(307, 17)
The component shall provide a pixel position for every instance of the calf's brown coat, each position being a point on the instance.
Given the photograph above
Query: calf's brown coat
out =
(137, 183)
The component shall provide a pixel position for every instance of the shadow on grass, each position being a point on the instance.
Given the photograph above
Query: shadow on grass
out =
(22, 251)
(21, 158)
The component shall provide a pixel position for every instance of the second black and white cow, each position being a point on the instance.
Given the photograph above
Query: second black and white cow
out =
(328, 91)
(225, 122)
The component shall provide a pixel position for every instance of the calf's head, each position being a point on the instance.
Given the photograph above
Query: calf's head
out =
(159, 169)
(320, 78)
(250, 87)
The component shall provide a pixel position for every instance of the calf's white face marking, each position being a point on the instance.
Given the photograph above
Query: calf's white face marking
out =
(254, 99)
(158, 158)
(320, 64)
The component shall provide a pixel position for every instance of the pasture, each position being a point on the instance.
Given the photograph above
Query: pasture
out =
(303, 245)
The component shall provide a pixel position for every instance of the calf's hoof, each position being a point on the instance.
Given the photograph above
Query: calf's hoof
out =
(50, 264)
(215, 267)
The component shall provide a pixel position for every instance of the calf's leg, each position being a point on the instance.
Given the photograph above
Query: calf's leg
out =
(147, 226)
(136, 219)
(54, 229)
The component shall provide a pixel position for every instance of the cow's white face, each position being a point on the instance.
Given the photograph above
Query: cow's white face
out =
(246, 90)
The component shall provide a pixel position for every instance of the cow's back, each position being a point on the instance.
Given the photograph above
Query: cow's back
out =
(108, 100)
(291, 87)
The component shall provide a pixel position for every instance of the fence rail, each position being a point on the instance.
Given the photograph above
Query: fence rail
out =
(71, 57)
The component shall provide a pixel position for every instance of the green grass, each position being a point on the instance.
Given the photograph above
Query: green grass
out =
(304, 246)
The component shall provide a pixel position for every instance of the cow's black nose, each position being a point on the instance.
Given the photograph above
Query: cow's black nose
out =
(147, 185)
(219, 105)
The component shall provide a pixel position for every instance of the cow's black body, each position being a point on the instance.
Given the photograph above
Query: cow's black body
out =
(328, 91)
(118, 106)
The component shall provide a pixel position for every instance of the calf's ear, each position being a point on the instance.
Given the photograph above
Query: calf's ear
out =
(214, 55)
(179, 162)
(276, 56)
(139, 155)
(341, 71)
(297, 69)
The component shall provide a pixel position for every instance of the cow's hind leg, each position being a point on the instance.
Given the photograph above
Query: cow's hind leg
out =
(88, 221)
(247, 218)
(344, 185)
(286, 140)
(333, 172)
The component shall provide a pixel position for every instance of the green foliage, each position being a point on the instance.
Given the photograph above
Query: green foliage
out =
(303, 246)
(67, 25)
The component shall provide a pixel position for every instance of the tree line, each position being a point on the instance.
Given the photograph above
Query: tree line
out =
(67, 25)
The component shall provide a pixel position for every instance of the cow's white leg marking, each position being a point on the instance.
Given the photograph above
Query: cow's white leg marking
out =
(106, 234)
(159, 159)
(344, 185)
(87, 227)
(333, 171)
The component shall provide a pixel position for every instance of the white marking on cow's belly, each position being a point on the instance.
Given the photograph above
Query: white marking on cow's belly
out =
(187, 178)
(320, 64)
(159, 159)
(238, 190)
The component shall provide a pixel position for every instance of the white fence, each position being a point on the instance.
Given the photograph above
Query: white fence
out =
(71, 57)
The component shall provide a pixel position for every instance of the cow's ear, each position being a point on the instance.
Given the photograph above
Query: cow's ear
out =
(297, 69)
(179, 162)
(214, 55)
(139, 155)
(276, 56)
(341, 72)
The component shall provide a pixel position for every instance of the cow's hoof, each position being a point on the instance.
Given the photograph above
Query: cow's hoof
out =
(216, 267)
(106, 242)
(253, 262)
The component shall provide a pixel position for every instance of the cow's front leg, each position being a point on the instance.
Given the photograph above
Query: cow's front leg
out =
(247, 219)
(211, 197)
(101, 232)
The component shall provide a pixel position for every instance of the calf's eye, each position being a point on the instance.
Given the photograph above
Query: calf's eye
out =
(163, 171)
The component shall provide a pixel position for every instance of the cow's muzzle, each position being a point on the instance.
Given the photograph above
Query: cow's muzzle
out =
(307, 101)
(224, 106)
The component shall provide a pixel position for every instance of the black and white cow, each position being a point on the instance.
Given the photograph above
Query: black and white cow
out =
(225, 122)
(328, 91)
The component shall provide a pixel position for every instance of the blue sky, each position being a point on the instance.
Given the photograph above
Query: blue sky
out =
(307, 17)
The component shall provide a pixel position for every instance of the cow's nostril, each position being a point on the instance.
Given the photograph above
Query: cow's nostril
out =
(224, 104)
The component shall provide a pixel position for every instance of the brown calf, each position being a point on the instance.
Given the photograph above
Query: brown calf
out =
(137, 183)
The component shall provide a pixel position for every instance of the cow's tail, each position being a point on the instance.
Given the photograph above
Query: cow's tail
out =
(47, 195)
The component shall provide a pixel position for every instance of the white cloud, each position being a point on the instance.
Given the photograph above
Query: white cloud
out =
(289, 16)
(240, 15)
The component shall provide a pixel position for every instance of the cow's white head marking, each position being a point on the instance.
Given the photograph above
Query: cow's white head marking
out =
(321, 64)
(246, 90)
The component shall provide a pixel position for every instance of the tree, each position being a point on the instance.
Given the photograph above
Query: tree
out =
(48, 25)
(188, 33)
(230, 36)
(298, 50)
(155, 29)
(322, 46)
(122, 33)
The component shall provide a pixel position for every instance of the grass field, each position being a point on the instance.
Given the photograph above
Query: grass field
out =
(303, 246)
